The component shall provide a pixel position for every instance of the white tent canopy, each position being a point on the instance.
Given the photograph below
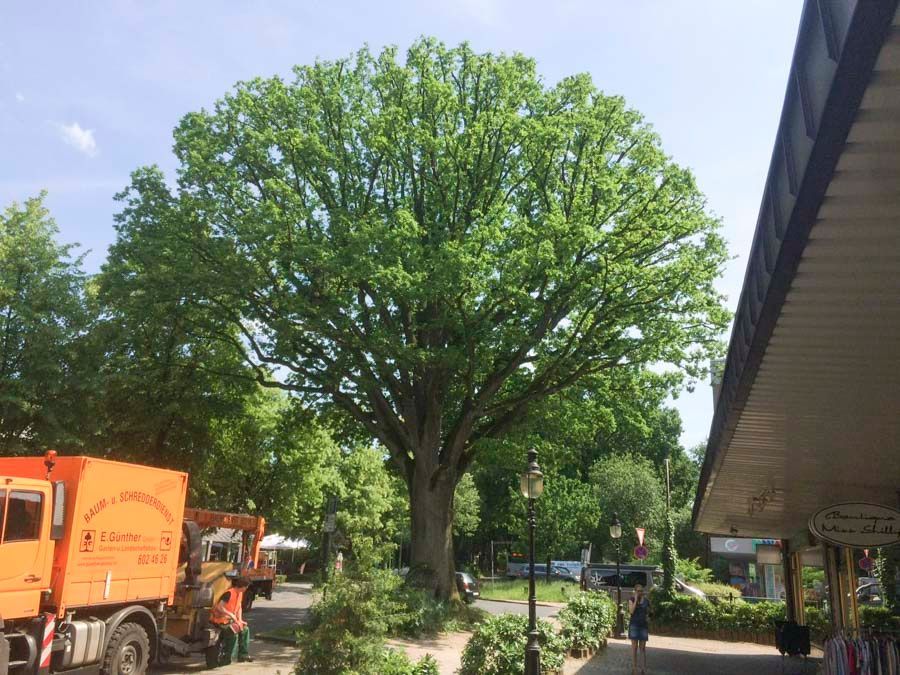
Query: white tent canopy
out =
(277, 542)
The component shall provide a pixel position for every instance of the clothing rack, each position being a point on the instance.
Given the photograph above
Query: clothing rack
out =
(863, 651)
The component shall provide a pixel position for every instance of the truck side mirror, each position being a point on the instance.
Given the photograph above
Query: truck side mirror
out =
(57, 525)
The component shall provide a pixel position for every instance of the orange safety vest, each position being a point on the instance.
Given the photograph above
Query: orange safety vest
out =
(233, 605)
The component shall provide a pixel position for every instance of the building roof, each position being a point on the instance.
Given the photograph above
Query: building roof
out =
(807, 411)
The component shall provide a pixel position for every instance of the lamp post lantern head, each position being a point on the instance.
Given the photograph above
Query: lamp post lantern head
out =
(532, 481)
(615, 527)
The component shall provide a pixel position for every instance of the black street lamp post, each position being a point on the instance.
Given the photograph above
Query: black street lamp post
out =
(532, 485)
(615, 531)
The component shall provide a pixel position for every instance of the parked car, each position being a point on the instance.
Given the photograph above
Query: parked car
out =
(467, 587)
(566, 574)
(602, 576)
(870, 595)
(540, 572)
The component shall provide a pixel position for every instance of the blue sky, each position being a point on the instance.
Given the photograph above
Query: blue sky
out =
(90, 91)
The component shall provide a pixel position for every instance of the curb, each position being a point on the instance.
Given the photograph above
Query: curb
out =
(266, 637)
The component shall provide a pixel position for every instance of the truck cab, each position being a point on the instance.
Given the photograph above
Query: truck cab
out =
(26, 550)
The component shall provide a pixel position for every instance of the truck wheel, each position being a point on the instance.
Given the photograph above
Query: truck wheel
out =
(127, 652)
(247, 602)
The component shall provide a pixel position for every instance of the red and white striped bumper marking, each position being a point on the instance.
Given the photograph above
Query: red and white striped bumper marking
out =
(47, 645)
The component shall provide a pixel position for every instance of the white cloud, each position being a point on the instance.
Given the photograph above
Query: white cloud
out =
(80, 139)
(20, 97)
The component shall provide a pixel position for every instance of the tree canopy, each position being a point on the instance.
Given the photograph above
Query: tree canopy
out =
(436, 245)
(43, 324)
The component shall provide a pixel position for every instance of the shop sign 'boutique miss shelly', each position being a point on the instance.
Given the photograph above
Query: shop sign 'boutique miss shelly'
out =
(857, 524)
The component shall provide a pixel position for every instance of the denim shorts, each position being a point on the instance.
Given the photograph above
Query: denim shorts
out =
(641, 634)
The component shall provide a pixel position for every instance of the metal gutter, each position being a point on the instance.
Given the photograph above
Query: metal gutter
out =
(838, 43)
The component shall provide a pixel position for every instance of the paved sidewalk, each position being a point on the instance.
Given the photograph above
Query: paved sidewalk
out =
(689, 656)
(446, 650)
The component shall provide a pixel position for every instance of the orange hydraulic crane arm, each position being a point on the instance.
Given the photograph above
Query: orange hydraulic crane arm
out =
(236, 521)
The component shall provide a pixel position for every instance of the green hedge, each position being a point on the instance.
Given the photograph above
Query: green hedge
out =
(818, 622)
(684, 611)
(587, 619)
(878, 618)
(719, 591)
(498, 647)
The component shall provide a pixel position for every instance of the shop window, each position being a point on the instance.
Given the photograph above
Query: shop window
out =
(23, 516)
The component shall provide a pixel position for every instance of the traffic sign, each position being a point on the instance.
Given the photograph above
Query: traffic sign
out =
(330, 522)
(641, 552)
(866, 563)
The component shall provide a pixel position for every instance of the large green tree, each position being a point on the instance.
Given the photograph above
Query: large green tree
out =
(165, 382)
(43, 323)
(628, 485)
(434, 245)
(568, 514)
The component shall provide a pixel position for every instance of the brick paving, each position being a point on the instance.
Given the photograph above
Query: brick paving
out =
(689, 656)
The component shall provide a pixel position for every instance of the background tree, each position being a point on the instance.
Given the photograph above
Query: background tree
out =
(272, 459)
(466, 507)
(434, 246)
(44, 383)
(372, 507)
(165, 383)
(568, 514)
(628, 485)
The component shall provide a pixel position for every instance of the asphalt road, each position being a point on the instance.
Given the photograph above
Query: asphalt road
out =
(493, 607)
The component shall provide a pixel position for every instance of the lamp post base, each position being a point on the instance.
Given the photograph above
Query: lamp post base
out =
(620, 622)
(533, 654)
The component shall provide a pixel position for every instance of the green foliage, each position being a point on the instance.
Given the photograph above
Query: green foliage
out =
(691, 571)
(171, 378)
(887, 571)
(587, 619)
(395, 662)
(46, 374)
(362, 607)
(723, 592)
(498, 647)
(466, 507)
(684, 611)
(425, 615)
(819, 623)
(349, 624)
(879, 618)
(629, 485)
(567, 510)
(426, 666)
(372, 506)
(669, 557)
(289, 460)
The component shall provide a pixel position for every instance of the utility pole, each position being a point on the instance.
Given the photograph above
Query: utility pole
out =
(331, 507)
(668, 488)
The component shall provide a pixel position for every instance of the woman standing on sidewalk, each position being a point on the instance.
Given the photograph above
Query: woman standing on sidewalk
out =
(638, 628)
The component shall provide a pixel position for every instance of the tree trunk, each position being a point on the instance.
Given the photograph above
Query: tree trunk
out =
(431, 509)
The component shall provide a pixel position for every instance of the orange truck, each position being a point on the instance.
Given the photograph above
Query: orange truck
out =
(100, 571)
